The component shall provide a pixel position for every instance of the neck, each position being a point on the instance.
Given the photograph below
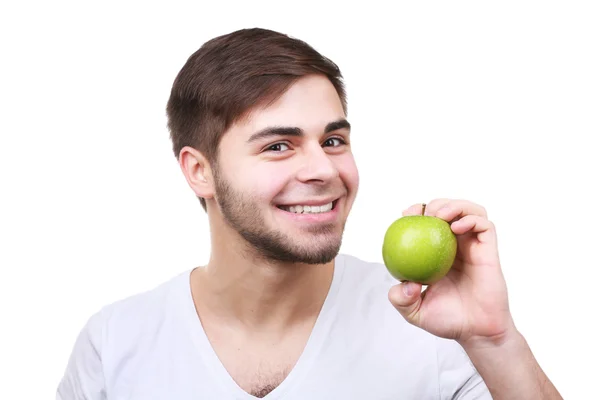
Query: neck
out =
(255, 293)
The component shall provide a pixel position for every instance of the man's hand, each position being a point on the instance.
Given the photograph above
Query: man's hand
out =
(470, 305)
(471, 302)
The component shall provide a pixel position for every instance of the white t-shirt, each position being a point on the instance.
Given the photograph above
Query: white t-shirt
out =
(152, 346)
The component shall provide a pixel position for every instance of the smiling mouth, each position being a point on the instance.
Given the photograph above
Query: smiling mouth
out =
(307, 209)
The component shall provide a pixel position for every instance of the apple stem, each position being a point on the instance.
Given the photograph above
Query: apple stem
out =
(423, 209)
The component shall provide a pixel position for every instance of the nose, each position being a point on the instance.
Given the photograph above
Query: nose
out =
(317, 166)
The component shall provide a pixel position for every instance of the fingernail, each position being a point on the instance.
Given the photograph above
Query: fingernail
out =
(408, 289)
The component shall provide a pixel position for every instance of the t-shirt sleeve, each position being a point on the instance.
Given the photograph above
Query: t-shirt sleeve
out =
(458, 378)
(84, 378)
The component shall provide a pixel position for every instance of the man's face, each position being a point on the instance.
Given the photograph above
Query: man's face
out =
(286, 178)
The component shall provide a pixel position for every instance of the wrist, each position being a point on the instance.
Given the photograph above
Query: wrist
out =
(508, 367)
(507, 340)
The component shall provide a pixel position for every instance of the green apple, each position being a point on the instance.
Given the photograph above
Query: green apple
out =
(419, 248)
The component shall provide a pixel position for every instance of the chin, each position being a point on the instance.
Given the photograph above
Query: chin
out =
(318, 248)
(322, 256)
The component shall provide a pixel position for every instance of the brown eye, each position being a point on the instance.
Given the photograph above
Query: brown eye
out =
(333, 142)
(278, 147)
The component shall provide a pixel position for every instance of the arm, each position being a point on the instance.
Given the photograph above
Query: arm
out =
(510, 370)
(84, 378)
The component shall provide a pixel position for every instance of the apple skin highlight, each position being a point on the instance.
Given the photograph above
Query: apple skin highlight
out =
(419, 248)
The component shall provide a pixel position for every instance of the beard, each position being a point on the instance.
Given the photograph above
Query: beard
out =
(243, 214)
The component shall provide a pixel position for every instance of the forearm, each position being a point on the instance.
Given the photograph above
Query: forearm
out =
(510, 370)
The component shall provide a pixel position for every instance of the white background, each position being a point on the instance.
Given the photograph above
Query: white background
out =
(498, 103)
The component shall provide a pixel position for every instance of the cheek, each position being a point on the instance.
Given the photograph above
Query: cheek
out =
(266, 182)
(348, 172)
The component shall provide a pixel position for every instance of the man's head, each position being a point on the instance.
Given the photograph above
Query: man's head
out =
(258, 123)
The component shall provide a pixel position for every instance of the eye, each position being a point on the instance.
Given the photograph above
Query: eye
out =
(278, 147)
(334, 142)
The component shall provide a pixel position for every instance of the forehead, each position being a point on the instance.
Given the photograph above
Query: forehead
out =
(309, 104)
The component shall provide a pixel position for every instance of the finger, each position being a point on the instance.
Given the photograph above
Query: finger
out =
(485, 229)
(451, 209)
(406, 298)
(415, 209)
(435, 205)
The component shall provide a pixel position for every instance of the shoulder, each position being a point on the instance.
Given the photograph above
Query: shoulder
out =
(129, 316)
(363, 295)
(128, 321)
(113, 333)
(365, 275)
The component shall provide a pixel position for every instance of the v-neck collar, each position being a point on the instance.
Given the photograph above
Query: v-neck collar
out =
(302, 366)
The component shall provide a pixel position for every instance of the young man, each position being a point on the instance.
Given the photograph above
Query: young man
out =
(258, 123)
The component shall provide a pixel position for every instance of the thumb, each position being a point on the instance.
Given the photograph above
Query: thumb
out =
(406, 298)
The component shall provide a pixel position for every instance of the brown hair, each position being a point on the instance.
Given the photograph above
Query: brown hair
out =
(229, 76)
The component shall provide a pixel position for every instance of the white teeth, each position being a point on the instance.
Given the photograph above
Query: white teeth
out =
(326, 207)
(309, 209)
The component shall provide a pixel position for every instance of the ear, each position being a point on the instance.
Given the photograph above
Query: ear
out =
(197, 172)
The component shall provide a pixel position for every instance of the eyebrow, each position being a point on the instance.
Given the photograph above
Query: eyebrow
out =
(295, 131)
